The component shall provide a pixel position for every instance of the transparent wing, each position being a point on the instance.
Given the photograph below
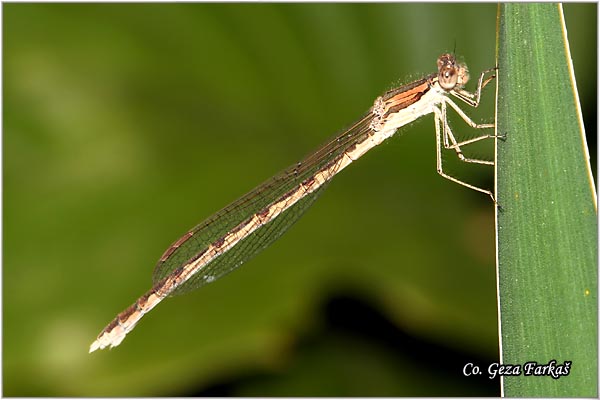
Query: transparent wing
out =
(250, 246)
(201, 236)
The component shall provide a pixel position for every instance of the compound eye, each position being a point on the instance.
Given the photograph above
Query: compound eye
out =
(448, 77)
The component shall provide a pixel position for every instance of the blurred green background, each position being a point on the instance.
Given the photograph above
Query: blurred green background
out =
(125, 125)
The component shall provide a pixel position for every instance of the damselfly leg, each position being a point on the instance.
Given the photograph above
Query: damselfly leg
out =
(445, 137)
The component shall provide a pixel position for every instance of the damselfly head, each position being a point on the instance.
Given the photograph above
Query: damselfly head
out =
(451, 74)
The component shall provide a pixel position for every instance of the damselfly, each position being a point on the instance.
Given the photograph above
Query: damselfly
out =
(239, 231)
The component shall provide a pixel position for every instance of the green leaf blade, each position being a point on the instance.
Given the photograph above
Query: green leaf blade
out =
(547, 231)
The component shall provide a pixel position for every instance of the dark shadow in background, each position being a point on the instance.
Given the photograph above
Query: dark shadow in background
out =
(353, 320)
(590, 121)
